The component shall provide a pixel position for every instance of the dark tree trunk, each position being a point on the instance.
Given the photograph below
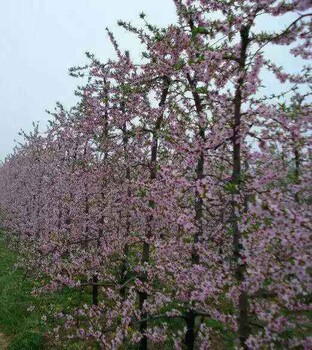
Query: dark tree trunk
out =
(297, 171)
(146, 246)
(190, 317)
(243, 322)
(95, 295)
(189, 340)
(123, 273)
(95, 278)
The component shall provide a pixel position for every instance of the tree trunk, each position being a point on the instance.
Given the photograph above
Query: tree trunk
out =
(190, 317)
(189, 340)
(146, 246)
(243, 305)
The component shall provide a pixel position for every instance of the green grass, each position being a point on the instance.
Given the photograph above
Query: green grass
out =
(25, 329)
(27, 340)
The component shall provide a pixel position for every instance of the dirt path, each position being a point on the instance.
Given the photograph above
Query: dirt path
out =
(4, 341)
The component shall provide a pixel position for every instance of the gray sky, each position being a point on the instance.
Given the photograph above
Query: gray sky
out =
(41, 39)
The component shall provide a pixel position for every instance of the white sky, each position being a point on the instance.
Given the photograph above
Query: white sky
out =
(41, 39)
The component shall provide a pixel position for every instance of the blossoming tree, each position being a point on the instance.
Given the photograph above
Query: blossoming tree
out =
(178, 188)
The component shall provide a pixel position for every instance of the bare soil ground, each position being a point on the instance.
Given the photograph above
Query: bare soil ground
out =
(4, 341)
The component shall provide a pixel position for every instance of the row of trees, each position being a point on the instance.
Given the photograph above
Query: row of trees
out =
(177, 189)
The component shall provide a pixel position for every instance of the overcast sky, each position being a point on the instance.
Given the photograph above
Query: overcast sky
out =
(41, 39)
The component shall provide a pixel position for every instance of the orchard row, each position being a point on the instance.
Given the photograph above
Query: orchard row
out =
(177, 189)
